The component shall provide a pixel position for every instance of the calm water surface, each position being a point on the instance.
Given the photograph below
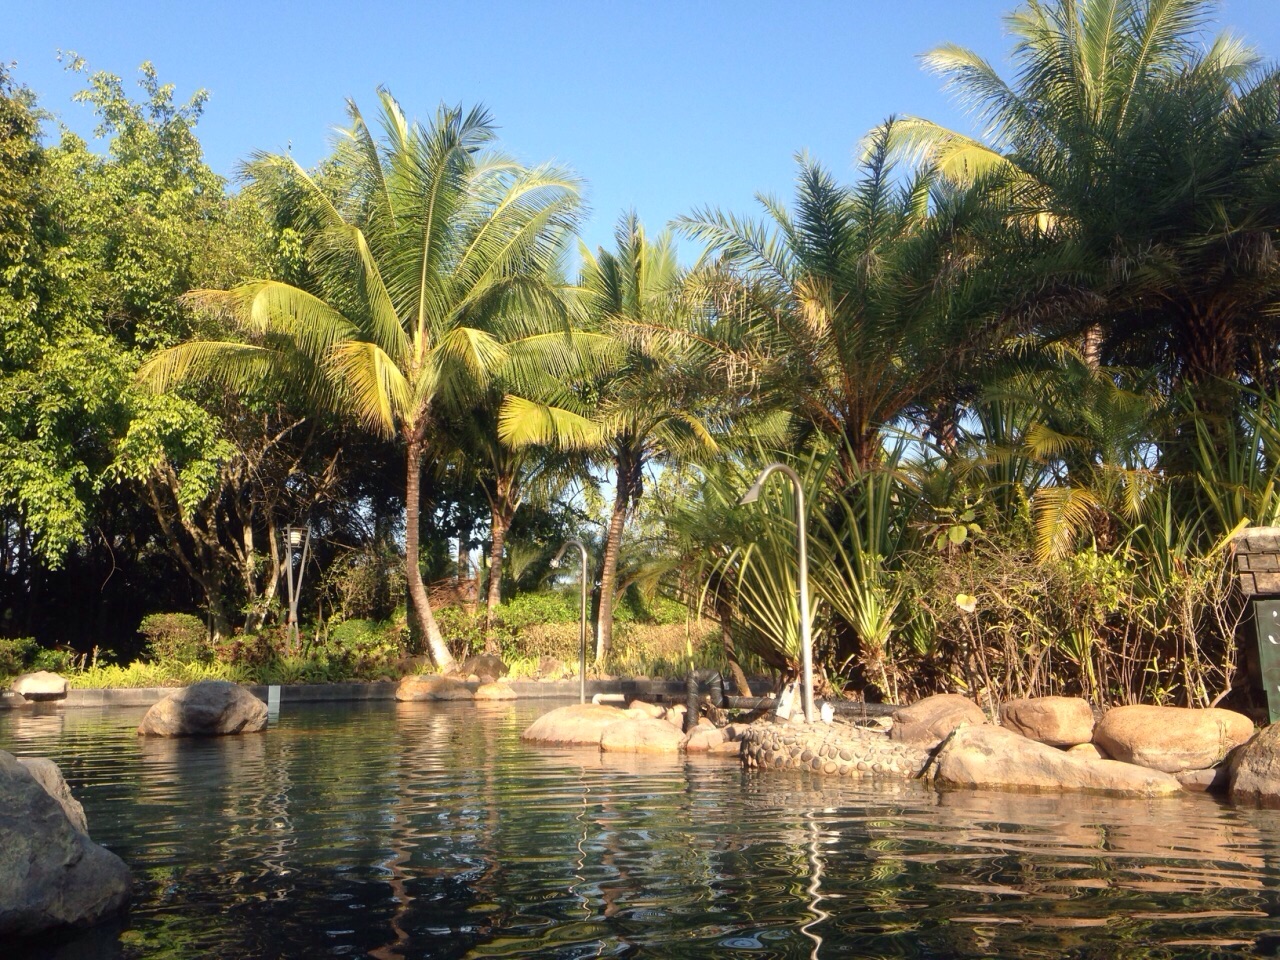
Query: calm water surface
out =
(424, 830)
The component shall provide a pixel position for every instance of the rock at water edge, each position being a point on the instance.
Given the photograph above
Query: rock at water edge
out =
(51, 874)
(206, 709)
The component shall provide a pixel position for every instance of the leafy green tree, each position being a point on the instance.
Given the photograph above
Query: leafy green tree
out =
(426, 270)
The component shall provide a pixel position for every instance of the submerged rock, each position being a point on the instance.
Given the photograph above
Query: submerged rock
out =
(206, 709)
(51, 874)
(41, 685)
(432, 688)
(926, 723)
(640, 735)
(1057, 721)
(997, 758)
(1171, 738)
(579, 724)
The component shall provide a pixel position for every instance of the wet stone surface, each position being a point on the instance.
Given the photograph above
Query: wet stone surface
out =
(837, 750)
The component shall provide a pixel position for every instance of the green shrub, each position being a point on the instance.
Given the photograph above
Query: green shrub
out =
(178, 637)
(16, 654)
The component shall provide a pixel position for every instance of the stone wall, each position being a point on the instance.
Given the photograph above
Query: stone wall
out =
(840, 749)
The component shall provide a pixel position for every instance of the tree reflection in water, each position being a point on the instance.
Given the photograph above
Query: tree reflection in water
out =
(430, 830)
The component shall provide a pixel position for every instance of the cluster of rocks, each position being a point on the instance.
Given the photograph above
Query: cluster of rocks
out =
(639, 728)
(1040, 744)
(484, 669)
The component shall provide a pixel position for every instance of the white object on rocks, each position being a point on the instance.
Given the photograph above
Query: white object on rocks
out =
(828, 713)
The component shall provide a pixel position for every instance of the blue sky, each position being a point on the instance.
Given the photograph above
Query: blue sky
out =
(661, 106)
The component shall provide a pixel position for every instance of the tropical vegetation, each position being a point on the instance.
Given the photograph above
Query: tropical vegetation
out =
(1028, 379)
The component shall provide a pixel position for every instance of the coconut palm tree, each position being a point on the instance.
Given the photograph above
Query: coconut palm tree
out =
(650, 404)
(1151, 160)
(428, 267)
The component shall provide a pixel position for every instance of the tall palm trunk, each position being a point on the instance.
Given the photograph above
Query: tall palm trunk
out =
(502, 509)
(628, 482)
(427, 626)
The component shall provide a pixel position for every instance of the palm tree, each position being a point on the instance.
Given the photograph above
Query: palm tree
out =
(854, 310)
(650, 405)
(1150, 160)
(428, 266)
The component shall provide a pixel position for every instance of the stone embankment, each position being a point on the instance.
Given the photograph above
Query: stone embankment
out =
(1045, 744)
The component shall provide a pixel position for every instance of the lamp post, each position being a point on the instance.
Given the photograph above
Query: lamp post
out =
(806, 638)
(582, 628)
(296, 537)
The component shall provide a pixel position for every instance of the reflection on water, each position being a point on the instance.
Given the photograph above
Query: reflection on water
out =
(429, 830)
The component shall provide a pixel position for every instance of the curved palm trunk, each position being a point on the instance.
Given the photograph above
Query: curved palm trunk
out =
(628, 485)
(427, 626)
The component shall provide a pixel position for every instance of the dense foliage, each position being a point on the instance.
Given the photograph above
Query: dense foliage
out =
(1030, 383)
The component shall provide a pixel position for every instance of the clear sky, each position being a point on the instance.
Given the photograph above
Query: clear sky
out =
(662, 105)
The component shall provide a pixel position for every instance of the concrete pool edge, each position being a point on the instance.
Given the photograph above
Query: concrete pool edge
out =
(355, 691)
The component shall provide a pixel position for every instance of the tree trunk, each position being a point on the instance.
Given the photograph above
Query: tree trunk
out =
(501, 511)
(626, 484)
(427, 626)
(731, 653)
(1092, 348)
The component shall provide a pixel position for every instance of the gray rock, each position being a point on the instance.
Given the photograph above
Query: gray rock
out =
(926, 723)
(41, 685)
(206, 709)
(1171, 738)
(485, 667)
(993, 757)
(1057, 721)
(51, 874)
(47, 774)
(1254, 769)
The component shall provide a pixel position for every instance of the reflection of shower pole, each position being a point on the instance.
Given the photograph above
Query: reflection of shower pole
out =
(295, 537)
(814, 888)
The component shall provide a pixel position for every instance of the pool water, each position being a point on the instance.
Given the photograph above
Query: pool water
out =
(429, 830)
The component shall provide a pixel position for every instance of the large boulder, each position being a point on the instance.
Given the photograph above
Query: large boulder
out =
(206, 709)
(641, 735)
(926, 723)
(1171, 738)
(432, 688)
(996, 758)
(41, 685)
(47, 774)
(1254, 769)
(1057, 721)
(51, 874)
(495, 691)
(579, 724)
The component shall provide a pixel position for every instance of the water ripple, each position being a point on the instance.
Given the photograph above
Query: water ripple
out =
(418, 830)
